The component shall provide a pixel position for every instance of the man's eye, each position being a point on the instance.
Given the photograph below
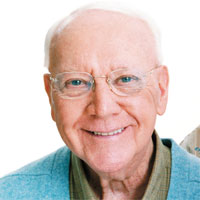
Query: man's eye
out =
(75, 83)
(126, 79)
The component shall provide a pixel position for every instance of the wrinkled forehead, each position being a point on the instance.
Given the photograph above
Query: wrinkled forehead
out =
(99, 30)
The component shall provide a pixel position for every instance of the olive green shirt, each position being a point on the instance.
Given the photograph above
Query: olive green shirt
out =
(157, 187)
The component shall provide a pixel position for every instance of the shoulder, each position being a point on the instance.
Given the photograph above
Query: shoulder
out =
(38, 180)
(185, 173)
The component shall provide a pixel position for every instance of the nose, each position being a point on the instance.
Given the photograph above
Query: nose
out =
(104, 102)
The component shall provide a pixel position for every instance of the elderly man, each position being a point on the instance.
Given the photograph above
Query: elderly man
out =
(106, 86)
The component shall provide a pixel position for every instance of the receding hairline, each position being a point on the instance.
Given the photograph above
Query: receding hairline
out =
(62, 24)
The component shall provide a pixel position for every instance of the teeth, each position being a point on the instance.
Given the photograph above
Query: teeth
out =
(109, 133)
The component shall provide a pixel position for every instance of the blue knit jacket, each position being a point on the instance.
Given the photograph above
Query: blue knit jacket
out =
(48, 178)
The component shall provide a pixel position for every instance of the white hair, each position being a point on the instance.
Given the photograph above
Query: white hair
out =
(61, 24)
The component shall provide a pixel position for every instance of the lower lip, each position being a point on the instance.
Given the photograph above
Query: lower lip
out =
(106, 136)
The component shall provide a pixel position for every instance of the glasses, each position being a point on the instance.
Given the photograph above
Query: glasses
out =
(123, 82)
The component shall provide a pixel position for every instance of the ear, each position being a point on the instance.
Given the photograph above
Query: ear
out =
(163, 83)
(47, 85)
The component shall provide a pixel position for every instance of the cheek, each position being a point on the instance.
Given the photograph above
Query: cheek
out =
(67, 116)
(68, 113)
(142, 104)
(142, 107)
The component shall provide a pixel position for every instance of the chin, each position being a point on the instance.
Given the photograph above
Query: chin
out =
(108, 167)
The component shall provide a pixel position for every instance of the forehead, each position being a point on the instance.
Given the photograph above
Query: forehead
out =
(105, 38)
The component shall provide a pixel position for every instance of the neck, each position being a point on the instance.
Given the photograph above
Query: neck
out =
(129, 183)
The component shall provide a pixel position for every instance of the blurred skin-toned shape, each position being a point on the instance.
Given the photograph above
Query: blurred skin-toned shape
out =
(191, 142)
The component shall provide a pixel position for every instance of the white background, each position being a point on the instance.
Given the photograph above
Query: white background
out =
(26, 129)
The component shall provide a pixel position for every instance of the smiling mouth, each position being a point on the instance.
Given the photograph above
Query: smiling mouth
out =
(107, 133)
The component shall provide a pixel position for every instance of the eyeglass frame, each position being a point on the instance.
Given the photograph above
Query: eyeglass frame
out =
(53, 79)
